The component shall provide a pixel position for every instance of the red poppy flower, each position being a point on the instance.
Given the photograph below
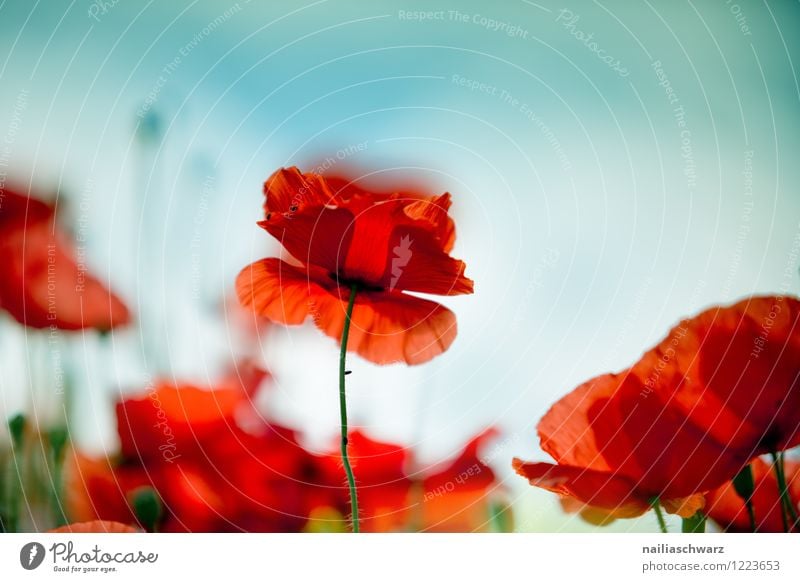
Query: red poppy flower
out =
(386, 245)
(721, 388)
(96, 526)
(728, 509)
(42, 283)
(616, 451)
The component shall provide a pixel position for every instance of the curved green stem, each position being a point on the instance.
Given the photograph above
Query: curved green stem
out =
(351, 481)
(662, 524)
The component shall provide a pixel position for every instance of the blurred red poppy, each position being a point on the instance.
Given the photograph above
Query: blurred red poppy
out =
(728, 509)
(463, 495)
(383, 483)
(42, 283)
(456, 496)
(384, 245)
(719, 390)
(227, 479)
(96, 526)
(176, 418)
(99, 488)
(213, 461)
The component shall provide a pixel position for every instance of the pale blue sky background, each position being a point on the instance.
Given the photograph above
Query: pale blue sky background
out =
(583, 233)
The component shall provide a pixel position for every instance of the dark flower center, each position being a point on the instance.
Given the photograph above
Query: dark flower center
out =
(359, 283)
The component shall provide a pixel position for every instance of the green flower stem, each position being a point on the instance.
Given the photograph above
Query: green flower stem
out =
(788, 512)
(751, 514)
(351, 481)
(662, 524)
(744, 485)
(694, 524)
(148, 508)
(787, 497)
(57, 440)
(17, 429)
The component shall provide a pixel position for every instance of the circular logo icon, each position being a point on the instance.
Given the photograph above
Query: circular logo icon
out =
(31, 555)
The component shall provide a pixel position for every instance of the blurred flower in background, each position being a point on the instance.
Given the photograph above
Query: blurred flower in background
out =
(44, 283)
(729, 509)
(195, 460)
(95, 527)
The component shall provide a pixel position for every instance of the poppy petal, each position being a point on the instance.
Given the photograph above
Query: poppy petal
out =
(275, 290)
(316, 235)
(684, 506)
(566, 430)
(388, 326)
(419, 264)
(648, 438)
(423, 211)
(371, 233)
(742, 372)
(589, 514)
(595, 488)
(434, 212)
(43, 284)
(17, 210)
(288, 189)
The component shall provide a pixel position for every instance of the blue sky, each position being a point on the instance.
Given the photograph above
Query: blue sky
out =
(614, 167)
